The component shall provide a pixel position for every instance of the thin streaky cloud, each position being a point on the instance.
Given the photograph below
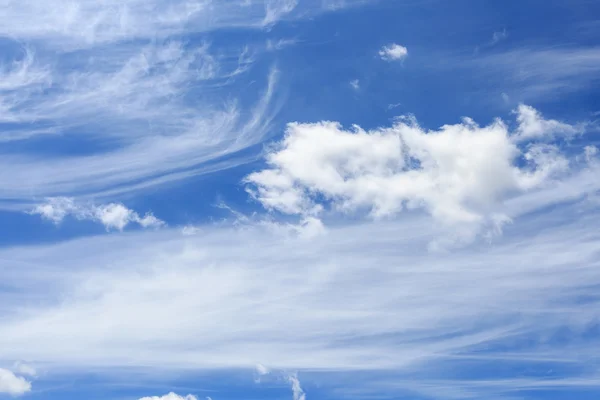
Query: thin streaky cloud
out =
(369, 298)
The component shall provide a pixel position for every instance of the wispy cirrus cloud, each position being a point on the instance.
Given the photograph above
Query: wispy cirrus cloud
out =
(372, 299)
(131, 110)
(107, 97)
(531, 73)
(79, 24)
(171, 396)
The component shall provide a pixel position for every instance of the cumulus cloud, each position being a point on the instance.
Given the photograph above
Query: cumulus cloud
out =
(171, 396)
(393, 52)
(532, 126)
(13, 384)
(112, 215)
(460, 174)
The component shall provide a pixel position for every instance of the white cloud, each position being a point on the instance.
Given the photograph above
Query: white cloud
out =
(112, 216)
(24, 369)
(355, 84)
(533, 126)
(76, 24)
(460, 174)
(291, 378)
(262, 370)
(297, 391)
(533, 73)
(190, 230)
(171, 396)
(129, 103)
(276, 9)
(590, 153)
(12, 384)
(24, 74)
(225, 292)
(274, 45)
(393, 52)
(121, 77)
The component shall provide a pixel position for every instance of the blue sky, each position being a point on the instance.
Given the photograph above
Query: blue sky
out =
(299, 199)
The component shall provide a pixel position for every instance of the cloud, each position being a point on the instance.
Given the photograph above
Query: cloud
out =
(355, 84)
(291, 378)
(532, 126)
(128, 117)
(533, 73)
(171, 396)
(276, 9)
(124, 100)
(498, 36)
(459, 174)
(590, 153)
(393, 52)
(78, 24)
(23, 73)
(121, 96)
(364, 283)
(25, 369)
(112, 216)
(262, 370)
(296, 388)
(274, 45)
(12, 384)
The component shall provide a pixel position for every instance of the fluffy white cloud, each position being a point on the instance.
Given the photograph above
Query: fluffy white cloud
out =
(460, 174)
(171, 396)
(112, 216)
(533, 126)
(12, 384)
(393, 52)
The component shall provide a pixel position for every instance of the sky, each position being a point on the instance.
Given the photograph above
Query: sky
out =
(299, 199)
